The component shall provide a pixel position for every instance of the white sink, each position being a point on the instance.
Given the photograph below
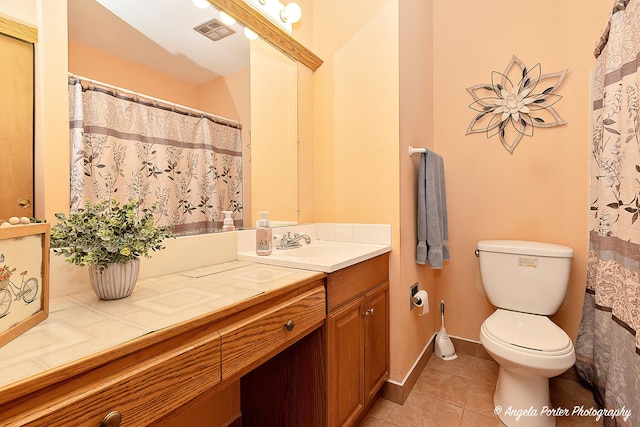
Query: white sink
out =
(319, 255)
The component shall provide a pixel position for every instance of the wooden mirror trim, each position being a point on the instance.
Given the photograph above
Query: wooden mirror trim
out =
(20, 31)
(268, 31)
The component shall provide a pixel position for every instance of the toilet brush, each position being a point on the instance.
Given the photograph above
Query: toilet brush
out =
(444, 346)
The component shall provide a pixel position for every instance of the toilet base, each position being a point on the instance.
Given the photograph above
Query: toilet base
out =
(523, 401)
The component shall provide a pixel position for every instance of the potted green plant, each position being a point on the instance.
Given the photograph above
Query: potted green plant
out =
(109, 238)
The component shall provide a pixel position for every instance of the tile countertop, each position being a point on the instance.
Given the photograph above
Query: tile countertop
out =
(319, 255)
(333, 246)
(80, 324)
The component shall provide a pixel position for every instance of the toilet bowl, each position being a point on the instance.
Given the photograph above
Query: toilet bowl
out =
(530, 349)
(526, 282)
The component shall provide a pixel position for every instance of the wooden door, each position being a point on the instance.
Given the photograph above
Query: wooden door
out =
(376, 341)
(345, 363)
(16, 127)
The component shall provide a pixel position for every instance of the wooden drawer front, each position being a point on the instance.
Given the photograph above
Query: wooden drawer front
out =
(147, 389)
(345, 284)
(260, 336)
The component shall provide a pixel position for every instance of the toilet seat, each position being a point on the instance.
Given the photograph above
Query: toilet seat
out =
(530, 333)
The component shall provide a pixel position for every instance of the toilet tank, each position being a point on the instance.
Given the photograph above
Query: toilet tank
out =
(524, 276)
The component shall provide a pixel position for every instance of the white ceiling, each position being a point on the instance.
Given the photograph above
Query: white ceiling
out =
(158, 34)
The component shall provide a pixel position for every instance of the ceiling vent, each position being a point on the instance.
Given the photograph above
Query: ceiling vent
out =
(214, 30)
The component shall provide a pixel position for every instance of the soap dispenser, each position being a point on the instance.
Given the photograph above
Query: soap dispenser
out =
(263, 235)
(227, 224)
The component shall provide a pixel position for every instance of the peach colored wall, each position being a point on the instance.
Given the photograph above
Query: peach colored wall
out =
(356, 104)
(20, 10)
(540, 192)
(416, 129)
(51, 109)
(273, 134)
(306, 178)
(356, 110)
(227, 96)
(303, 32)
(95, 64)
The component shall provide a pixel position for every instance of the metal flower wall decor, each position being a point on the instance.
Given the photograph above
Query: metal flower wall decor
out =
(512, 111)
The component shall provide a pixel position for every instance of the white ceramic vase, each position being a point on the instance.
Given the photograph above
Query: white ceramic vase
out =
(116, 281)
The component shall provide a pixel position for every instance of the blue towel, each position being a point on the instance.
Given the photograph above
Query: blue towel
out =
(433, 232)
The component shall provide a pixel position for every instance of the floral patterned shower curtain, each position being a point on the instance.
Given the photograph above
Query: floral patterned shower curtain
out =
(608, 343)
(126, 148)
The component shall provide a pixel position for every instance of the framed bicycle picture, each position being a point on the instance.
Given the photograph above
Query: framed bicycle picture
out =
(24, 278)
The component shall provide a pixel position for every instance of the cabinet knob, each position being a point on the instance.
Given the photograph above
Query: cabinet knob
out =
(112, 419)
(24, 203)
(289, 325)
(368, 312)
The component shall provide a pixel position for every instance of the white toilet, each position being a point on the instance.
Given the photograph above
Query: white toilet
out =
(526, 281)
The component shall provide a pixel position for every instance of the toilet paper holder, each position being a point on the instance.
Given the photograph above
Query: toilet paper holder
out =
(421, 299)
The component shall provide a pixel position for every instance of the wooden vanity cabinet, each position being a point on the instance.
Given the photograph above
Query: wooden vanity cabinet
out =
(254, 339)
(139, 389)
(357, 338)
(156, 378)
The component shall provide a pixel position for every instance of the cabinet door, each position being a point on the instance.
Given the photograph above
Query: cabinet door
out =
(376, 342)
(345, 363)
(16, 127)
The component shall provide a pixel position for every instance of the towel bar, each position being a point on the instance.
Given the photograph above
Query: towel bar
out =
(412, 150)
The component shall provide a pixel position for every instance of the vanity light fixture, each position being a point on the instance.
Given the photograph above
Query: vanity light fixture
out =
(227, 19)
(251, 35)
(292, 12)
(281, 15)
(202, 4)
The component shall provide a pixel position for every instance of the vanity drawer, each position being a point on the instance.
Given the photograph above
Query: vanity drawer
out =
(260, 336)
(142, 388)
(350, 282)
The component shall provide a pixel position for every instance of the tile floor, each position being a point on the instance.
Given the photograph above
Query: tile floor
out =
(460, 393)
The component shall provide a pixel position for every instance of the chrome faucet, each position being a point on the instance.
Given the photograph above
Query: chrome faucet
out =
(290, 242)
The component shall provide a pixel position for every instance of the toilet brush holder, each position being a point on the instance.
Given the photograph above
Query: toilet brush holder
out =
(444, 346)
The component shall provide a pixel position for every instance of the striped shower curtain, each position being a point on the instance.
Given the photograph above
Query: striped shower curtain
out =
(125, 148)
(608, 343)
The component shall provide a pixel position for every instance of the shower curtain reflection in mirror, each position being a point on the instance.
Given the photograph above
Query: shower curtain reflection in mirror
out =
(128, 147)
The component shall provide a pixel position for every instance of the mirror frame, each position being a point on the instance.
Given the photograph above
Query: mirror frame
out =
(268, 31)
(20, 31)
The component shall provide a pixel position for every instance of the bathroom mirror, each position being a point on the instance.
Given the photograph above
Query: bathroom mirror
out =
(270, 116)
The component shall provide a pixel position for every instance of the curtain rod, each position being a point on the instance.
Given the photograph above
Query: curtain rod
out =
(188, 110)
(604, 35)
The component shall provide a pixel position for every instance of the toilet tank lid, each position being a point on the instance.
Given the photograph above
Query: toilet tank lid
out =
(523, 247)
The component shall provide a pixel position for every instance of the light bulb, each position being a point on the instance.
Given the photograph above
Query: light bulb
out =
(293, 12)
(226, 19)
(202, 4)
(250, 34)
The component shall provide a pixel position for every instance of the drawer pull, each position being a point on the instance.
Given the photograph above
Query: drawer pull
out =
(368, 312)
(112, 419)
(289, 325)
